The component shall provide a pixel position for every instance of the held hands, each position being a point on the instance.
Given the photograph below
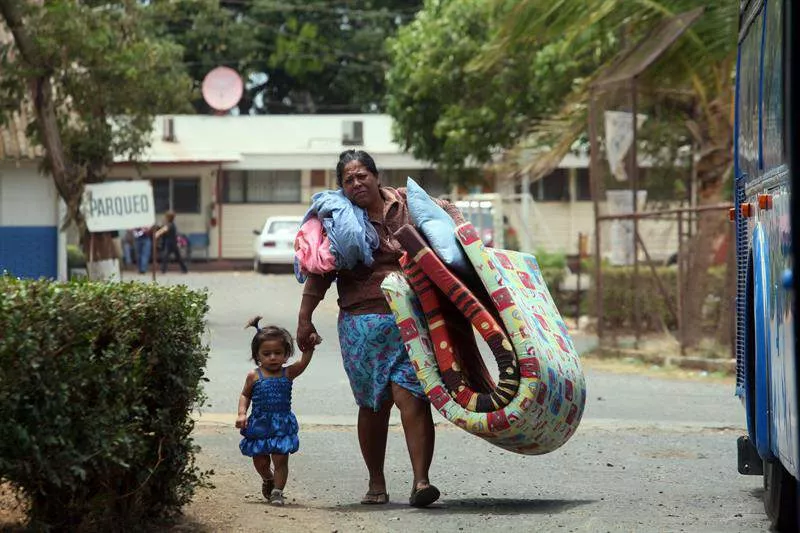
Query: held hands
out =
(307, 336)
(313, 340)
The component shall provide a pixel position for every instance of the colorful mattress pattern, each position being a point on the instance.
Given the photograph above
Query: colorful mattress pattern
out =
(548, 403)
(426, 272)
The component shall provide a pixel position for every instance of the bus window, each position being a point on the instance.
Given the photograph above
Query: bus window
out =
(747, 142)
(772, 134)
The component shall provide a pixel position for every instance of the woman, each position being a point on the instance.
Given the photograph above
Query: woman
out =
(170, 233)
(375, 359)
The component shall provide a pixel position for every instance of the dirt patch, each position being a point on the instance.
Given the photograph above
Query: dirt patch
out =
(632, 365)
(13, 507)
(231, 506)
(235, 504)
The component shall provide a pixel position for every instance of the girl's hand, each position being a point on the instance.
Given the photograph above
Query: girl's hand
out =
(313, 340)
(307, 336)
(241, 422)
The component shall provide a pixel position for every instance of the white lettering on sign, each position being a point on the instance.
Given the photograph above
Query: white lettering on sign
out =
(118, 205)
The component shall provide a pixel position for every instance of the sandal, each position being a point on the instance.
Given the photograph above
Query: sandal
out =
(266, 488)
(423, 497)
(375, 498)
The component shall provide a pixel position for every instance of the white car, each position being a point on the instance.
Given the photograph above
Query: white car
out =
(274, 245)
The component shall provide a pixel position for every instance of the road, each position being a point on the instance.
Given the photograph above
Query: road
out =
(650, 455)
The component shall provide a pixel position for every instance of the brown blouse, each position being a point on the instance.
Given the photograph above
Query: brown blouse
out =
(360, 289)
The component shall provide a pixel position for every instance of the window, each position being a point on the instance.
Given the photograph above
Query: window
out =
(772, 112)
(583, 185)
(182, 195)
(748, 112)
(552, 188)
(262, 186)
(319, 178)
(352, 133)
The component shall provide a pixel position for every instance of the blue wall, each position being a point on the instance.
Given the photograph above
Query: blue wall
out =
(29, 251)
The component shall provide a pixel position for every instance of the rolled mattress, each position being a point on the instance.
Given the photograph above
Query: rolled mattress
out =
(545, 409)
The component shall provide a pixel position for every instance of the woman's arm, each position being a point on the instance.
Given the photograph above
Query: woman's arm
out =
(314, 291)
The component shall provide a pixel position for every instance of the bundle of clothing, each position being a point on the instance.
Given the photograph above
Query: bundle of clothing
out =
(334, 235)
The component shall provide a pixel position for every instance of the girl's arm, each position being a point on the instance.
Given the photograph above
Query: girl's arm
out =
(244, 399)
(297, 368)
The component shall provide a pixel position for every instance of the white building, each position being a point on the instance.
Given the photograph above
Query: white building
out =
(31, 244)
(225, 175)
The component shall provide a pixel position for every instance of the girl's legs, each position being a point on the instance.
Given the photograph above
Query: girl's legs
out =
(261, 462)
(281, 470)
(373, 429)
(415, 414)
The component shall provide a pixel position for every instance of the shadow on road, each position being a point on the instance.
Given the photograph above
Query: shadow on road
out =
(499, 506)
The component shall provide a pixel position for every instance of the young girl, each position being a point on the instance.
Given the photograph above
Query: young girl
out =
(271, 429)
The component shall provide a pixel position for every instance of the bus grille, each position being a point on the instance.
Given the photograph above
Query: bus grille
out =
(742, 251)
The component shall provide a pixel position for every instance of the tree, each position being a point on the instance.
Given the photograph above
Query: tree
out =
(700, 63)
(296, 56)
(452, 114)
(211, 34)
(94, 76)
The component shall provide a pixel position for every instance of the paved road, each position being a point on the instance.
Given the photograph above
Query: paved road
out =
(650, 455)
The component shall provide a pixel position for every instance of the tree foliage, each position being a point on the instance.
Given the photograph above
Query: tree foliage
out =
(109, 76)
(456, 115)
(296, 56)
(94, 76)
(699, 65)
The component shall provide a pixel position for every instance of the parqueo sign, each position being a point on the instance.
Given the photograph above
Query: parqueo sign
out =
(119, 205)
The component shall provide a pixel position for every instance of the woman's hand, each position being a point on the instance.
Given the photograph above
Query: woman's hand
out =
(307, 336)
(241, 422)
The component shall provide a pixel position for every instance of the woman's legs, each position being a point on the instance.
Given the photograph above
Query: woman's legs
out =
(373, 429)
(281, 470)
(415, 414)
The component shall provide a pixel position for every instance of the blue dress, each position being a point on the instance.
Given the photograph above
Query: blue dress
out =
(271, 426)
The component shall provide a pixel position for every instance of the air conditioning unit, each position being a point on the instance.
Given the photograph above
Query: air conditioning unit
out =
(353, 133)
(168, 130)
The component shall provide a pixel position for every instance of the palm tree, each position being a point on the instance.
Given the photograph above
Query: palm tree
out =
(700, 63)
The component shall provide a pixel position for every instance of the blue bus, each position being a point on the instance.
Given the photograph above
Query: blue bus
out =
(765, 213)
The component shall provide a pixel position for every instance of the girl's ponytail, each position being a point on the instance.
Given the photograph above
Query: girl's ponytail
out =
(253, 322)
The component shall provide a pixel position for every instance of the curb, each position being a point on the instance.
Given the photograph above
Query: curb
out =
(727, 366)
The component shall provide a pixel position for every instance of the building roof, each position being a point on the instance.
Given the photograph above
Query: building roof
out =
(14, 143)
(274, 141)
(632, 62)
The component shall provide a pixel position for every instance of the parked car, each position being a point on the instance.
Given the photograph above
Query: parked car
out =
(274, 244)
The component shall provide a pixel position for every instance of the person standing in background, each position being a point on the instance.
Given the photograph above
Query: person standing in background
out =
(169, 232)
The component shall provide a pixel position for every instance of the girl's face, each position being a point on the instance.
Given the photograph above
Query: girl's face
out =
(272, 355)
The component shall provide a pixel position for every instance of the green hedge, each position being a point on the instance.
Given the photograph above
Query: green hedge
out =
(97, 383)
(618, 297)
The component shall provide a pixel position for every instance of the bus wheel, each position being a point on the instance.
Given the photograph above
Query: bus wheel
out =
(780, 496)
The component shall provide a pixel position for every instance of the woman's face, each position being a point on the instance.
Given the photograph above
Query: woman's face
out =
(359, 184)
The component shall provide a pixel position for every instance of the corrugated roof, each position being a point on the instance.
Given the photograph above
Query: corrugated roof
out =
(636, 60)
(14, 143)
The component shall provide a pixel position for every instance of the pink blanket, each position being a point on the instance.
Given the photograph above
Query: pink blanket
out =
(313, 249)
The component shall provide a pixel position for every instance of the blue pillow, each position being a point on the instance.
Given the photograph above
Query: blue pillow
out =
(437, 227)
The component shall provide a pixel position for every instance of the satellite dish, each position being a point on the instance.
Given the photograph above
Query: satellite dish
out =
(222, 88)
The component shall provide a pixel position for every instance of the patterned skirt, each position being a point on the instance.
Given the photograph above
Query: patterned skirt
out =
(374, 356)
